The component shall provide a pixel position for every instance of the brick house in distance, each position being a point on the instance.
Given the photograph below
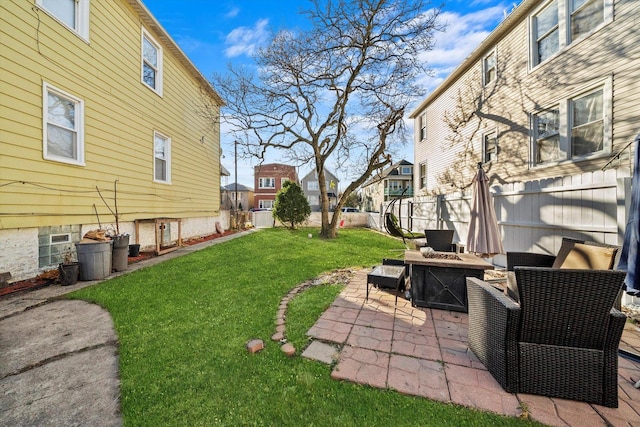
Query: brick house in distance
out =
(268, 179)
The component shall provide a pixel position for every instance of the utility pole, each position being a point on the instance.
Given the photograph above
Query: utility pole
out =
(235, 155)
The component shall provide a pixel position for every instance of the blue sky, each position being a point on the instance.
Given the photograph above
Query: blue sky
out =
(216, 33)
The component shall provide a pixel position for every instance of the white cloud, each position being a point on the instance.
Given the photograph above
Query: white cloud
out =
(245, 40)
(463, 33)
(232, 13)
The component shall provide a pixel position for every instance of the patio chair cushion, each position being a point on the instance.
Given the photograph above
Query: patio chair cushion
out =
(587, 257)
(565, 248)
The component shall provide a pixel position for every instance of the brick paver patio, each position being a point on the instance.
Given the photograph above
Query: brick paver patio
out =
(424, 352)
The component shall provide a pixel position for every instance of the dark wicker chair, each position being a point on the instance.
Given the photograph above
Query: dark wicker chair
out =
(561, 341)
(531, 259)
(440, 240)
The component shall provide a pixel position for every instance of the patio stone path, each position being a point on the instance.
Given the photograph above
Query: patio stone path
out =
(424, 352)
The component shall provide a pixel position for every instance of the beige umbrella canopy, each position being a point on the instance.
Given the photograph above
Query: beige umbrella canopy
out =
(484, 237)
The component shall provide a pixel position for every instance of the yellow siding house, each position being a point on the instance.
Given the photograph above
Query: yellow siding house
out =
(99, 109)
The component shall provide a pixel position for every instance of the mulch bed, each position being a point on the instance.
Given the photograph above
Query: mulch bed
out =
(51, 277)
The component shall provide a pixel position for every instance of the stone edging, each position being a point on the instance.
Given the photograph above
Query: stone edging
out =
(334, 277)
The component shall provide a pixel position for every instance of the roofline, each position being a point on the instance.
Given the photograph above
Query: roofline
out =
(151, 22)
(517, 14)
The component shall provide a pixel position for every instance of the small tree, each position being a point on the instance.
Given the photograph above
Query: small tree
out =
(291, 206)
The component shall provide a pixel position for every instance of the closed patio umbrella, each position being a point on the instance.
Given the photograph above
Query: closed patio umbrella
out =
(629, 258)
(484, 237)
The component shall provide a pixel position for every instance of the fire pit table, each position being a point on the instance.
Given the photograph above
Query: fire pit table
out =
(439, 279)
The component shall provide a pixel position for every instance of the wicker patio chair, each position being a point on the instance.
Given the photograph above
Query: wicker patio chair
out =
(531, 259)
(560, 341)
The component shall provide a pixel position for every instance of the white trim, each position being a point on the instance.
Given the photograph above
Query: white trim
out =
(564, 29)
(167, 160)
(81, 28)
(261, 180)
(484, 134)
(565, 125)
(493, 52)
(78, 121)
(159, 67)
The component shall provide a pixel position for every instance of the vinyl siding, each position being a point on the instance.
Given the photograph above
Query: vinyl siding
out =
(612, 52)
(121, 115)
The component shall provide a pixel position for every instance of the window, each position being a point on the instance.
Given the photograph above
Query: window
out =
(546, 31)
(265, 204)
(547, 136)
(423, 126)
(578, 127)
(266, 183)
(489, 147)
(587, 126)
(312, 186)
(406, 170)
(561, 22)
(162, 158)
(283, 180)
(423, 175)
(489, 68)
(63, 126)
(73, 14)
(313, 200)
(586, 15)
(151, 63)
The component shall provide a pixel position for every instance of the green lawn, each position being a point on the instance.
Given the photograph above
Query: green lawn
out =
(183, 325)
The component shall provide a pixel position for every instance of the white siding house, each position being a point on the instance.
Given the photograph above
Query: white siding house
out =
(549, 103)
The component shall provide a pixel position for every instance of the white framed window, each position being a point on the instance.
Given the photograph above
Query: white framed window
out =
(63, 126)
(423, 175)
(546, 33)
(161, 158)
(423, 126)
(312, 186)
(406, 170)
(266, 182)
(558, 23)
(579, 127)
(265, 204)
(587, 123)
(283, 180)
(313, 199)
(489, 146)
(73, 14)
(546, 130)
(151, 63)
(489, 68)
(585, 16)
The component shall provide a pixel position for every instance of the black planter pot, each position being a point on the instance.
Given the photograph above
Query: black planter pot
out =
(134, 250)
(69, 273)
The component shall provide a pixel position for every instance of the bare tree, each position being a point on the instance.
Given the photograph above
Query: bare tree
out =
(336, 91)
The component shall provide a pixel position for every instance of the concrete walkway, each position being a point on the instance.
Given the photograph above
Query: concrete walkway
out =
(59, 358)
(423, 352)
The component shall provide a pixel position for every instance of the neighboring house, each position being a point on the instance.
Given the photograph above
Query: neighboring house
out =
(393, 182)
(548, 104)
(311, 189)
(245, 197)
(268, 180)
(98, 106)
(553, 91)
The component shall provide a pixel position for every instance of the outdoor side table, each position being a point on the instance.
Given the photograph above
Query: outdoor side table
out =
(386, 276)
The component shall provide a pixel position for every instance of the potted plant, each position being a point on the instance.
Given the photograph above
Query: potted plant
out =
(69, 270)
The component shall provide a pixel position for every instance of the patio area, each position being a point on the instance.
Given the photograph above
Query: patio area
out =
(424, 352)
